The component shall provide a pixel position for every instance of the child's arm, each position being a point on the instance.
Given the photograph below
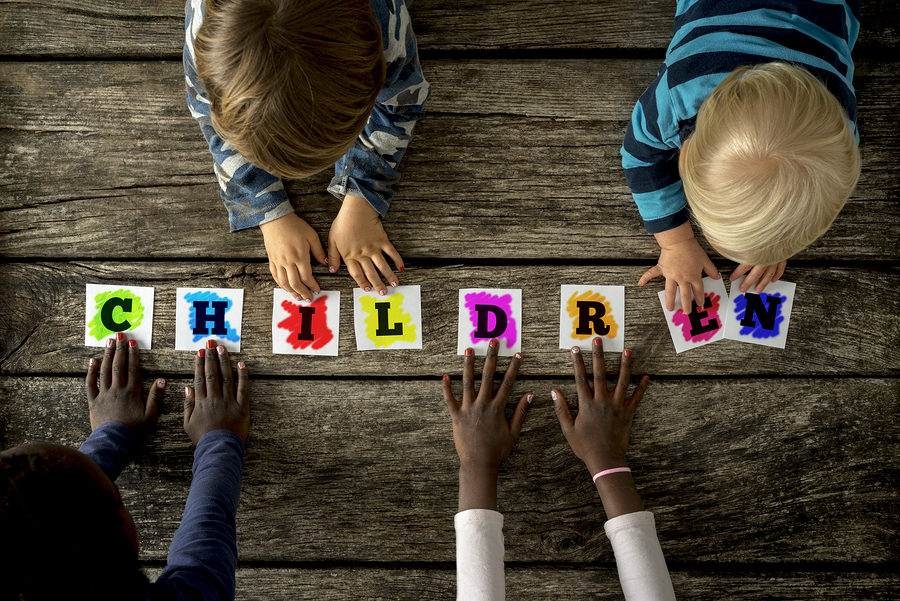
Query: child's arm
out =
(762, 275)
(599, 436)
(483, 439)
(203, 554)
(252, 196)
(682, 262)
(119, 416)
(369, 169)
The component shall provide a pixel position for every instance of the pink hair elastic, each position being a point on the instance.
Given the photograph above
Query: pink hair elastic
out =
(614, 470)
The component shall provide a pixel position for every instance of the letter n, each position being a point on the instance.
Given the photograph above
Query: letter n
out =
(765, 316)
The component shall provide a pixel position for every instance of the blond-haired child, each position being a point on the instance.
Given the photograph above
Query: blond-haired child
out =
(285, 89)
(758, 98)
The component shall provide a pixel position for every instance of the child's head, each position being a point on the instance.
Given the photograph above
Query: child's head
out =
(291, 83)
(770, 164)
(65, 531)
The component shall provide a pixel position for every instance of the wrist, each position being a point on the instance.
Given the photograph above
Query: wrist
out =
(675, 236)
(279, 222)
(478, 487)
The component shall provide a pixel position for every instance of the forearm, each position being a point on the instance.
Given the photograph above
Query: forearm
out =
(618, 494)
(110, 446)
(477, 487)
(677, 235)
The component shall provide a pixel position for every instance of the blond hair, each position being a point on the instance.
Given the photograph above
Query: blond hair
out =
(770, 164)
(291, 83)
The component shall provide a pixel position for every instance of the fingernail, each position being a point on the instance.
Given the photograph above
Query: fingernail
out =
(160, 383)
(110, 343)
(627, 352)
(366, 289)
(518, 355)
(494, 343)
(575, 350)
(394, 284)
(242, 365)
(382, 292)
(469, 351)
(201, 353)
(315, 292)
(445, 377)
(553, 395)
(132, 343)
(92, 362)
(187, 391)
(120, 336)
(210, 344)
(647, 379)
(598, 342)
(298, 298)
(331, 269)
(529, 398)
(220, 349)
(401, 269)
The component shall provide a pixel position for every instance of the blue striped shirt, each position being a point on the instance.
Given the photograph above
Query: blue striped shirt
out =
(254, 196)
(712, 38)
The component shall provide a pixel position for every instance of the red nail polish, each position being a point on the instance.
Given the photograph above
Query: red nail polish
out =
(627, 353)
(132, 343)
(647, 379)
(241, 364)
(494, 343)
(110, 343)
(598, 342)
(445, 377)
(469, 351)
(120, 336)
(210, 344)
(401, 269)
(201, 353)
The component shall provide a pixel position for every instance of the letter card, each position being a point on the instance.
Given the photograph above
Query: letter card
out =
(486, 313)
(588, 312)
(760, 318)
(704, 324)
(392, 321)
(306, 328)
(203, 314)
(112, 309)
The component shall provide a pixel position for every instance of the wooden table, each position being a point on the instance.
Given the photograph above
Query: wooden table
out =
(772, 474)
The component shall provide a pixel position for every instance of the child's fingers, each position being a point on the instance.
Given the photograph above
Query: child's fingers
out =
(739, 271)
(697, 289)
(189, 400)
(106, 365)
(581, 383)
(211, 370)
(624, 376)
(306, 277)
(452, 403)
(653, 272)
(779, 271)
(372, 275)
(509, 380)
(385, 270)
(468, 376)
(390, 251)
(118, 375)
(356, 272)
(296, 282)
(242, 396)
(90, 380)
(710, 269)
(519, 414)
(154, 399)
(561, 408)
(486, 388)
(225, 372)
(635, 398)
(199, 375)
(334, 257)
(134, 364)
(316, 249)
(754, 274)
(598, 365)
(671, 292)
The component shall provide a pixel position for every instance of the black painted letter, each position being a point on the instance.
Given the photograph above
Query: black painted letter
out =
(106, 312)
(306, 314)
(481, 331)
(766, 317)
(591, 322)
(383, 328)
(201, 318)
(697, 316)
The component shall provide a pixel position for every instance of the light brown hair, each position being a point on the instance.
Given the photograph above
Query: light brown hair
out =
(291, 82)
(771, 163)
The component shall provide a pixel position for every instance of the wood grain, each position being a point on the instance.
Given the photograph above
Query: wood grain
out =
(155, 28)
(504, 167)
(43, 315)
(755, 471)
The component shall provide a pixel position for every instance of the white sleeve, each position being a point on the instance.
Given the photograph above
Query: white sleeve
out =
(639, 558)
(479, 556)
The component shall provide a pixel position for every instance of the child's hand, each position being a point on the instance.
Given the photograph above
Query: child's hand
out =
(481, 433)
(358, 236)
(213, 404)
(599, 434)
(118, 398)
(682, 262)
(289, 242)
(763, 273)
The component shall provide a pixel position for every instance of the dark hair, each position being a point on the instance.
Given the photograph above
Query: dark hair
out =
(62, 534)
(291, 83)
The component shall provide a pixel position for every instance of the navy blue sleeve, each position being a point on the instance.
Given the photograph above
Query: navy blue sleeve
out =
(203, 555)
(110, 446)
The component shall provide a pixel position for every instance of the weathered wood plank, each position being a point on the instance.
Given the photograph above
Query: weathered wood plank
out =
(844, 321)
(487, 170)
(155, 28)
(528, 583)
(774, 471)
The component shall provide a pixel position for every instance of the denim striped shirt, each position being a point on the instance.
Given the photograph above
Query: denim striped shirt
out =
(711, 39)
(369, 169)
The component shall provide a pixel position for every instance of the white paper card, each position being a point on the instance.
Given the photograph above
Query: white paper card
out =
(487, 313)
(392, 321)
(112, 309)
(203, 314)
(760, 318)
(588, 312)
(306, 328)
(702, 326)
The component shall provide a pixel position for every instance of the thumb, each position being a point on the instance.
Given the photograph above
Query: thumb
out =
(710, 269)
(315, 248)
(653, 272)
(154, 399)
(334, 256)
(519, 414)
